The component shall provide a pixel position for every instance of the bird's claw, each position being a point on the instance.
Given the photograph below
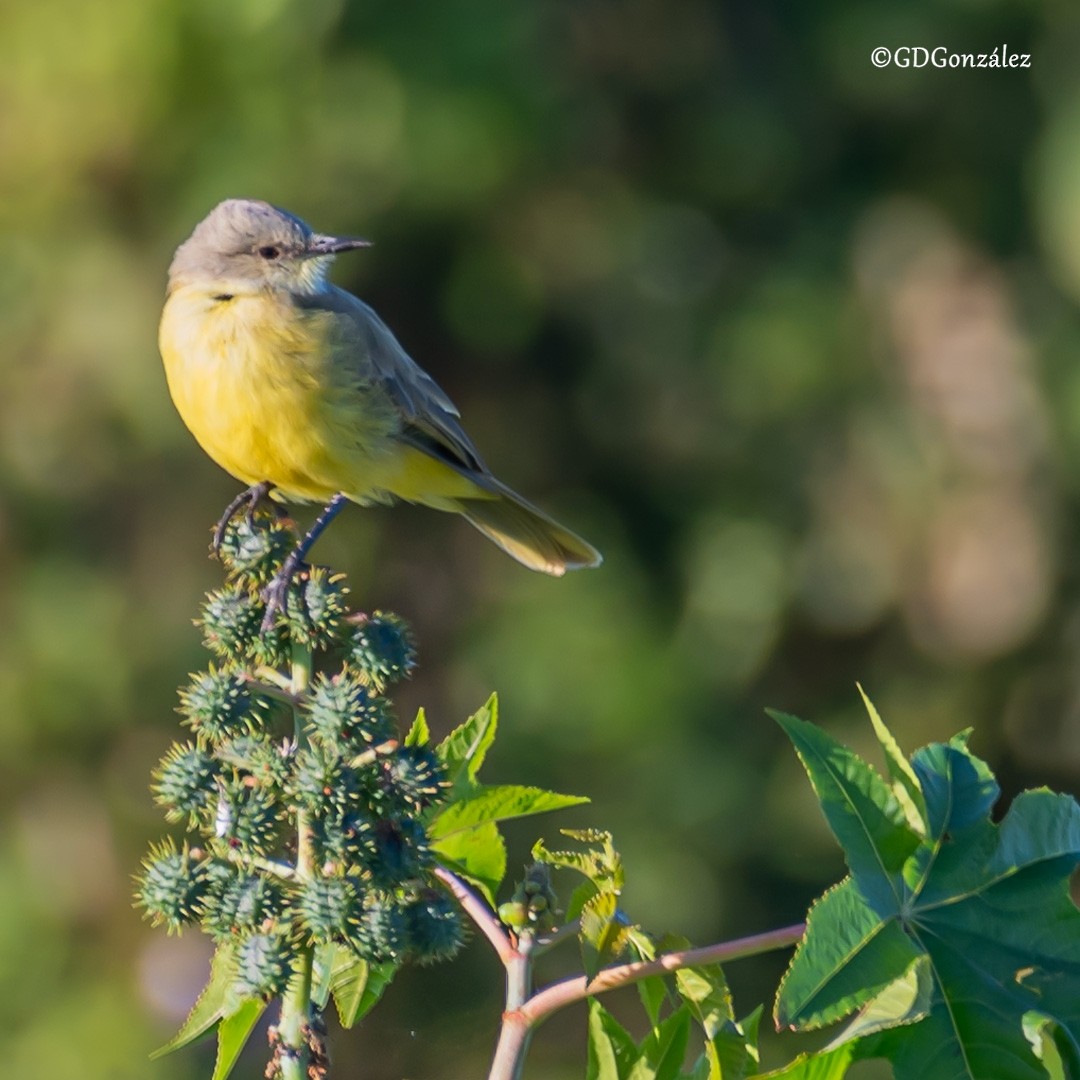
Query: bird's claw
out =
(276, 593)
(250, 499)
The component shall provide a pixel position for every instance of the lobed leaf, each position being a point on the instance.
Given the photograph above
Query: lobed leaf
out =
(478, 854)
(233, 1034)
(462, 752)
(949, 961)
(212, 1005)
(498, 803)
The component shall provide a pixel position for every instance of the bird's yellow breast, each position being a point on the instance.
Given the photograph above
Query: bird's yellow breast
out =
(268, 395)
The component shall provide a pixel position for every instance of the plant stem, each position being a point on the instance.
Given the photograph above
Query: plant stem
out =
(520, 1021)
(475, 907)
(516, 1031)
(294, 1052)
(557, 996)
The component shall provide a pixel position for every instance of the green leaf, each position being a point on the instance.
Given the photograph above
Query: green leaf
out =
(215, 1002)
(578, 899)
(462, 752)
(905, 1000)
(661, 1053)
(825, 1065)
(604, 933)
(905, 784)
(233, 1034)
(478, 854)
(848, 955)
(419, 734)
(357, 986)
(612, 1051)
(705, 991)
(602, 864)
(859, 806)
(978, 932)
(1059, 1054)
(498, 803)
(653, 992)
(959, 788)
(322, 972)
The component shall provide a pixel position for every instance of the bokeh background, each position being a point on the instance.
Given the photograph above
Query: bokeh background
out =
(794, 340)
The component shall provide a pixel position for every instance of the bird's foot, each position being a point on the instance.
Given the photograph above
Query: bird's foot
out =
(248, 500)
(277, 592)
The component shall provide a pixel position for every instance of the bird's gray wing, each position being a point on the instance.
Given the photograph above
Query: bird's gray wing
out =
(431, 420)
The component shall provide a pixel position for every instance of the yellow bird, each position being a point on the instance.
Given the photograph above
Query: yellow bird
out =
(296, 387)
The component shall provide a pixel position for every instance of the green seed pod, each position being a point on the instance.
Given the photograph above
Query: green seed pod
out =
(321, 779)
(230, 621)
(263, 965)
(514, 914)
(184, 782)
(344, 709)
(378, 931)
(246, 818)
(239, 903)
(328, 906)
(314, 607)
(381, 647)
(401, 853)
(254, 550)
(413, 778)
(216, 705)
(433, 928)
(272, 649)
(258, 756)
(536, 895)
(344, 837)
(172, 885)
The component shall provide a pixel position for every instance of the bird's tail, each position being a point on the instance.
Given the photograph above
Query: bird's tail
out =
(526, 533)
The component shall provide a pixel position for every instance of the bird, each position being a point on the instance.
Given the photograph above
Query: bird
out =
(300, 391)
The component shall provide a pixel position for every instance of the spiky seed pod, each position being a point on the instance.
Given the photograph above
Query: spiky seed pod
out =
(401, 853)
(258, 756)
(322, 779)
(314, 607)
(245, 817)
(272, 649)
(413, 778)
(184, 782)
(263, 965)
(343, 838)
(377, 933)
(230, 621)
(217, 705)
(433, 928)
(254, 550)
(328, 906)
(381, 646)
(343, 709)
(239, 903)
(172, 885)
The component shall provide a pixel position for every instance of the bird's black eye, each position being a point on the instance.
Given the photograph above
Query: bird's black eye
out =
(269, 252)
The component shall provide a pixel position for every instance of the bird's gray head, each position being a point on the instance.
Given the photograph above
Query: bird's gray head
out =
(245, 246)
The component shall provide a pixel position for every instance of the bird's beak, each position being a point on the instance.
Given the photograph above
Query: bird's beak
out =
(331, 245)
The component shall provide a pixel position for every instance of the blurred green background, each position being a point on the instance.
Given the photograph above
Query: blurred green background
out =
(794, 340)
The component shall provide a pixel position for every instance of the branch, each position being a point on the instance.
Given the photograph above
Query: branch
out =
(566, 992)
(557, 936)
(477, 910)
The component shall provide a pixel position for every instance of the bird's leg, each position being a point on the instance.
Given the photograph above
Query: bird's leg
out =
(276, 592)
(250, 497)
